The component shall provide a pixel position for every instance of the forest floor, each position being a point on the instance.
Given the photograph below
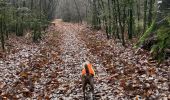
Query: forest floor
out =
(52, 68)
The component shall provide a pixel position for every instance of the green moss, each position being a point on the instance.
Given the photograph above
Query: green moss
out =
(145, 35)
(163, 34)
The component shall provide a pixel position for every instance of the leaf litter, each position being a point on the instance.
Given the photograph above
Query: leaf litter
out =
(52, 68)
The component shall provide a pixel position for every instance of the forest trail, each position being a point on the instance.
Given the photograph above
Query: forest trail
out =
(121, 72)
(74, 52)
(52, 68)
(41, 57)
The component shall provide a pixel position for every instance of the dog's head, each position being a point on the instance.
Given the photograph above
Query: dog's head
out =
(85, 63)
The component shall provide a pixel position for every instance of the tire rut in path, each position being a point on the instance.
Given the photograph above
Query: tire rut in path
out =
(73, 53)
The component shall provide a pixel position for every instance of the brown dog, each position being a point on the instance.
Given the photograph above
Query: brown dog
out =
(87, 77)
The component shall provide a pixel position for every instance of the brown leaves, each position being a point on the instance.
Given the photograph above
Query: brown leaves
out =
(147, 93)
(24, 74)
(2, 84)
(123, 83)
(43, 51)
(44, 62)
(2, 54)
(151, 71)
(37, 65)
(27, 94)
(15, 51)
(54, 55)
(136, 71)
(39, 98)
(52, 67)
(8, 96)
(47, 98)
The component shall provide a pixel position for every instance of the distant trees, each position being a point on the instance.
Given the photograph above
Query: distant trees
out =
(117, 17)
(18, 16)
(121, 19)
(72, 10)
(3, 24)
(78, 11)
(125, 19)
(131, 19)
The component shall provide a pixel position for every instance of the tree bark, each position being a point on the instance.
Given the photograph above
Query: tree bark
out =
(151, 3)
(78, 12)
(2, 32)
(120, 23)
(145, 15)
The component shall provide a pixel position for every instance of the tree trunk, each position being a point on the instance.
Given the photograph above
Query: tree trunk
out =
(130, 28)
(145, 14)
(2, 33)
(116, 20)
(78, 12)
(138, 14)
(32, 5)
(109, 20)
(94, 19)
(130, 24)
(120, 23)
(151, 3)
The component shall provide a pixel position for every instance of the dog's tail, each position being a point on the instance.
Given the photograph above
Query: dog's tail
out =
(87, 69)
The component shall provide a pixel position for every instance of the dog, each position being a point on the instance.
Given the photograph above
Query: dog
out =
(87, 76)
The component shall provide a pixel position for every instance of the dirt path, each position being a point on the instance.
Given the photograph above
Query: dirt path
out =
(74, 52)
